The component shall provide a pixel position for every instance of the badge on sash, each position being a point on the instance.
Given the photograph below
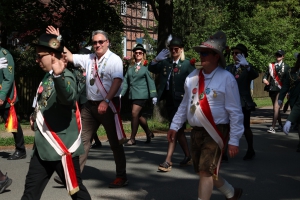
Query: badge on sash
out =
(92, 81)
(201, 96)
(207, 91)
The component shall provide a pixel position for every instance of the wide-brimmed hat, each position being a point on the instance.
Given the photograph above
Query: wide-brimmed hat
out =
(176, 41)
(139, 47)
(51, 41)
(280, 51)
(216, 43)
(242, 48)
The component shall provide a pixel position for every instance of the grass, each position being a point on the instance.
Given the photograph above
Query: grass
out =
(262, 102)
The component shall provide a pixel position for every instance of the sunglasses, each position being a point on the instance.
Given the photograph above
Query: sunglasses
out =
(41, 55)
(99, 41)
(174, 48)
(138, 53)
(235, 53)
(205, 53)
(278, 55)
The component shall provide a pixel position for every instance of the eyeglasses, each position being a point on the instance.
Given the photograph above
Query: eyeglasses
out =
(99, 41)
(278, 55)
(235, 53)
(41, 55)
(174, 48)
(138, 53)
(205, 53)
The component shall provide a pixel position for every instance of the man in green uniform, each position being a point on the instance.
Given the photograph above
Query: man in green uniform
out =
(172, 70)
(57, 125)
(7, 90)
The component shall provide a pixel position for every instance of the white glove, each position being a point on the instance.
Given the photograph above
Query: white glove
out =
(279, 102)
(242, 59)
(286, 127)
(162, 55)
(3, 63)
(154, 100)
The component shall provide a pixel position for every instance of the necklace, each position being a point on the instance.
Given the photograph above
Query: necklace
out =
(201, 95)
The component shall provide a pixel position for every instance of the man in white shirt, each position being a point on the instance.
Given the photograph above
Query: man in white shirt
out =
(211, 104)
(104, 76)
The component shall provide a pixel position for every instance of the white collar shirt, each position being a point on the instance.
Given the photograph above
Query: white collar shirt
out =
(110, 66)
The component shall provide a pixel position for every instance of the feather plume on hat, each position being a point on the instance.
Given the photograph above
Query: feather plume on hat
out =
(168, 41)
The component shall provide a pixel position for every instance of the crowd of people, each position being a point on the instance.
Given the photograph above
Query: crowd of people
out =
(82, 91)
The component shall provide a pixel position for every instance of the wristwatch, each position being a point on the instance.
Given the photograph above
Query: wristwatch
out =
(107, 100)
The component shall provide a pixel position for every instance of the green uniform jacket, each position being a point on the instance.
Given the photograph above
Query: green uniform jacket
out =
(79, 74)
(291, 84)
(57, 104)
(295, 113)
(280, 73)
(139, 82)
(243, 78)
(7, 77)
(164, 68)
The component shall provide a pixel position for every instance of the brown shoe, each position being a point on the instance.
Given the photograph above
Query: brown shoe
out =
(237, 194)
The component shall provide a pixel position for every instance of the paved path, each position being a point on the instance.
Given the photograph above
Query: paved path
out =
(273, 175)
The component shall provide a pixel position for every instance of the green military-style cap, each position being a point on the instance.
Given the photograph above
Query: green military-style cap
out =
(51, 41)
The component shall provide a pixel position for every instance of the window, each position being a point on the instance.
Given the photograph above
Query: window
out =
(144, 9)
(123, 7)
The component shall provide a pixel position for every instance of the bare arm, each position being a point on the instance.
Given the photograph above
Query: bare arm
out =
(52, 30)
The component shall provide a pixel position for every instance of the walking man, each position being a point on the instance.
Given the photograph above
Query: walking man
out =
(211, 104)
(104, 76)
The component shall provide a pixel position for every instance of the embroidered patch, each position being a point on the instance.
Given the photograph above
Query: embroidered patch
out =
(68, 87)
(4, 52)
(10, 68)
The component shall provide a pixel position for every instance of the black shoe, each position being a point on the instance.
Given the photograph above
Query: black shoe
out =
(149, 138)
(249, 155)
(96, 145)
(17, 155)
(5, 184)
(58, 180)
(186, 161)
(224, 158)
(130, 142)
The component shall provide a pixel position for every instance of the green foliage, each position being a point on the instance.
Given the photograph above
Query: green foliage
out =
(75, 18)
(263, 26)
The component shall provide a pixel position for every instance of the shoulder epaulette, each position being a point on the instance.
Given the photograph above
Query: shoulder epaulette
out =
(4, 51)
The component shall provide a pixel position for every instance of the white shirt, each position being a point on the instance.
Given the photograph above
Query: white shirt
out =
(226, 107)
(113, 69)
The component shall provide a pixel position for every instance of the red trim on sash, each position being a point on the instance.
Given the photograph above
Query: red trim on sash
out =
(117, 108)
(276, 75)
(11, 124)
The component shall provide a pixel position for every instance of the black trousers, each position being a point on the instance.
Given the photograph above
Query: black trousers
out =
(40, 172)
(18, 136)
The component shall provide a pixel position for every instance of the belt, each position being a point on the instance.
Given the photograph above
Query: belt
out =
(198, 128)
(94, 102)
(98, 102)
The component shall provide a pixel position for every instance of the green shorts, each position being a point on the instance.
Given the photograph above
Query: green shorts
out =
(205, 151)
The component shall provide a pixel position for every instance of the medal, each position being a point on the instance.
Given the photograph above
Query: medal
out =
(44, 103)
(207, 90)
(215, 94)
(92, 81)
(193, 109)
(201, 96)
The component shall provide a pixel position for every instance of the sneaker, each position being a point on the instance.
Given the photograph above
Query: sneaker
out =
(118, 182)
(5, 184)
(271, 130)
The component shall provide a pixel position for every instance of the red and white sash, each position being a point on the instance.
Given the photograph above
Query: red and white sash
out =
(205, 116)
(116, 109)
(273, 73)
(62, 150)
